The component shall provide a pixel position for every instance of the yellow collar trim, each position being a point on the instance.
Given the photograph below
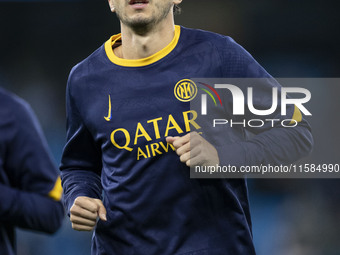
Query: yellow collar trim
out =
(143, 61)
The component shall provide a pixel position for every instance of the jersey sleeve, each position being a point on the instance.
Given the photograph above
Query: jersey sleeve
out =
(30, 187)
(271, 143)
(81, 160)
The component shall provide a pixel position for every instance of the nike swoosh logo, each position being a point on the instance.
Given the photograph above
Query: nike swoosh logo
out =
(108, 118)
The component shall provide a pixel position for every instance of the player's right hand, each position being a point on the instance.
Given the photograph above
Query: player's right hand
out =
(84, 213)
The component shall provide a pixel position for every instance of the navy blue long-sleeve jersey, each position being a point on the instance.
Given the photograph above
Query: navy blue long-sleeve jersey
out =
(118, 114)
(30, 186)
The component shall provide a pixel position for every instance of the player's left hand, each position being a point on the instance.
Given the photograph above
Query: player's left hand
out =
(194, 150)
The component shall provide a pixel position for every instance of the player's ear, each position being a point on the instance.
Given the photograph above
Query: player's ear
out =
(177, 1)
(111, 5)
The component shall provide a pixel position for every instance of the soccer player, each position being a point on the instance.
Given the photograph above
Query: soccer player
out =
(30, 187)
(125, 166)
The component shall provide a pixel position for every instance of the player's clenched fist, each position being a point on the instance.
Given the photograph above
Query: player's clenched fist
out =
(84, 213)
(194, 150)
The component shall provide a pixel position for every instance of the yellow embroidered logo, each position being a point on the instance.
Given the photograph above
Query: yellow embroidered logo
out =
(185, 90)
(109, 114)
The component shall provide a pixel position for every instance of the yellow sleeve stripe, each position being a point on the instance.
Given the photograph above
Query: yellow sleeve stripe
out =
(57, 190)
(297, 116)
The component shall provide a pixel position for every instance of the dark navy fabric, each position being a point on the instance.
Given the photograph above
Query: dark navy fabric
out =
(27, 174)
(153, 207)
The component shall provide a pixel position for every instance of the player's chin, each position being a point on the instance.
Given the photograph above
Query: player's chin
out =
(139, 20)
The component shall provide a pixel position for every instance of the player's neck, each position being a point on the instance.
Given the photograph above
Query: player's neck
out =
(142, 45)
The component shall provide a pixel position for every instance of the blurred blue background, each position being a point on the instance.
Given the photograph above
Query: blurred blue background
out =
(42, 40)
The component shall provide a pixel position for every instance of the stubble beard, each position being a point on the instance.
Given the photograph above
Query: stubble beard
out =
(142, 25)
